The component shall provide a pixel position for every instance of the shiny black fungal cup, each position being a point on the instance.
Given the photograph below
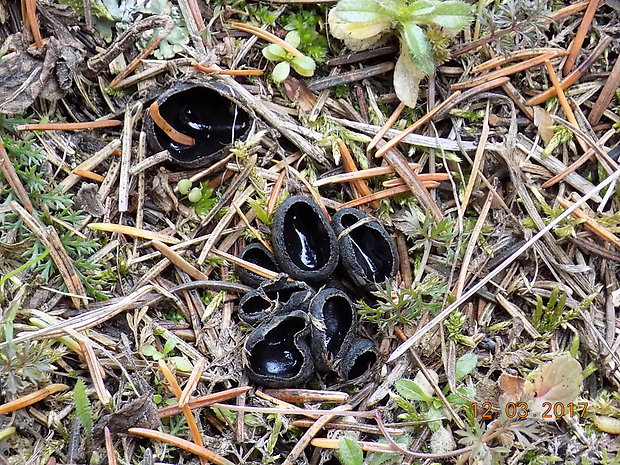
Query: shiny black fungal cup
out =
(367, 252)
(278, 351)
(357, 359)
(206, 112)
(303, 241)
(333, 326)
(271, 297)
(257, 254)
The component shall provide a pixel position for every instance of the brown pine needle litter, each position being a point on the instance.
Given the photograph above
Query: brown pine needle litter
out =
(126, 307)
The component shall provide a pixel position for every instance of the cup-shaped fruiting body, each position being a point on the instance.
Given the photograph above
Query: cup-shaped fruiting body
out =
(304, 243)
(278, 351)
(208, 113)
(257, 254)
(271, 297)
(333, 326)
(367, 252)
(357, 359)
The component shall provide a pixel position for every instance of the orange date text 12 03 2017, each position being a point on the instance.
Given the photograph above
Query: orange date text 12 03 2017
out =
(549, 410)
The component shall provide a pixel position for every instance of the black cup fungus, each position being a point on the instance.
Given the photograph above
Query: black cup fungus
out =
(358, 358)
(257, 254)
(208, 113)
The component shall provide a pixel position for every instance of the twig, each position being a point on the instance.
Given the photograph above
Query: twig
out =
(134, 232)
(580, 36)
(12, 178)
(33, 24)
(229, 72)
(350, 76)
(31, 398)
(361, 174)
(517, 55)
(359, 186)
(391, 192)
(609, 89)
(478, 159)
(177, 260)
(203, 401)
(89, 164)
(388, 124)
(275, 193)
(308, 395)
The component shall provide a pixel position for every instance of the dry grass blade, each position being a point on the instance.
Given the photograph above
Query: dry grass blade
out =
(361, 174)
(187, 412)
(386, 449)
(358, 185)
(259, 270)
(109, 446)
(419, 123)
(308, 395)
(599, 230)
(388, 124)
(204, 401)
(261, 33)
(571, 78)
(195, 449)
(478, 159)
(582, 32)
(133, 232)
(95, 369)
(31, 398)
(178, 261)
(517, 55)
(13, 179)
(251, 228)
(89, 164)
(229, 72)
(89, 175)
(609, 89)
(391, 192)
(192, 382)
(107, 123)
(275, 193)
(30, 7)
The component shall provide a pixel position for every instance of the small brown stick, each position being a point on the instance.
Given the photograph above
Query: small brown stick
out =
(13, 179)
(32, 23)
(179, 261)
(478, 159)
(388, 124)
(405, 264)
(308, 395)
(89, 164)
(251, 228)
(599, 230)
(275, 193)
(571, 78)
(352, 427)
(133, 232)
(391, 192)
(609, 89)
(468, 94)
(568, 111)
(169, 130)
(259, 270)
(137, 60)
(593, 247)
(361, 174)
(195, 449)
(95, 369)
(89, 175)
(508, 71)
(577, 163)
(192, 382)
(358, 185)
(350, 76)
(109, 446)
(269, 37)
(204, 401)
(106, 123)
(426, 178)
(229, 72)
(31, 398)
(517, 55)
(580, 36)
(310, 433)
(187, 412)
(420, 122)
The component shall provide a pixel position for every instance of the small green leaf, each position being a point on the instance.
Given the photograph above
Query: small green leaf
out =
(83, 409)
(304, 65)
(206, 202)
(274, 52)
(169, 346)
(184, 186)
(293, 38)
(452, 15)
(465, 365)
(421, 7)
(350, 452)
(419, 47)
(182, 364)
(411, 391)
(280, 72)
(361, 11)
(148, 350)
(195, 195)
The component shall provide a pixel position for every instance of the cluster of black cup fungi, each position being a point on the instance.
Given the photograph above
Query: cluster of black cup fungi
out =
(309, 321)
(306, 320)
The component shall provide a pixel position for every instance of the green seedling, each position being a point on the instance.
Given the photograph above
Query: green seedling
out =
(303, 65)
(363, 24)
(184, 186)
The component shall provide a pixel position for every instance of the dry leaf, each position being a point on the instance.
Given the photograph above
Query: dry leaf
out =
(358, 36)
(543, 122)
(407, 80)
(512, 385)
(607, 424)
(559, 382)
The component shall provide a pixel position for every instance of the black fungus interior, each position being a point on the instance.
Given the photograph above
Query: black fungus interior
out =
(259, 257)
(211, 119)
(255, 304)
(338, 320)
(362, 364)
(371, 250)
(305, 237)
(277, 355)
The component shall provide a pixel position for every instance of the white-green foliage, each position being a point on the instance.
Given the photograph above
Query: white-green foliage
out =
(83, 409)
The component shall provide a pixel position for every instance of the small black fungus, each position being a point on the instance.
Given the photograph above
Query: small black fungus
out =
(303, 241)
(358, 359)
(279, 355)
(333, 326)
(271, 297)
(206, 112)
(257, 254)
(367, 252)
